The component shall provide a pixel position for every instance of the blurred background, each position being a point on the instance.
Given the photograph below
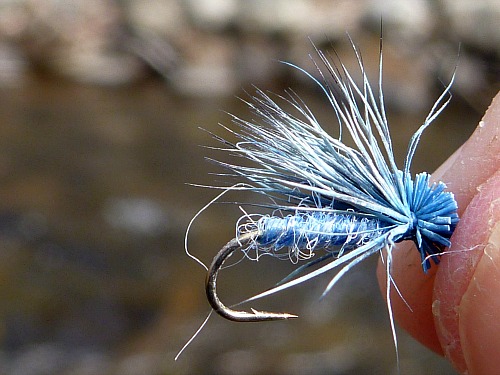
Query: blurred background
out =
(100, 107)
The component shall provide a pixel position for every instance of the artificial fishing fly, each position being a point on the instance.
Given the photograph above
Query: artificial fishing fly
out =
(352, 202)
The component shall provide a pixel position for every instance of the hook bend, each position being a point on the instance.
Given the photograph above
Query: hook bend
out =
(211, 287)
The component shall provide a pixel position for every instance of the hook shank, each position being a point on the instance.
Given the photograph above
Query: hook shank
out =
(211, 285)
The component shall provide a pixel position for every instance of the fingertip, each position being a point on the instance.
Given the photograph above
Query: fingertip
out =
(465, 294)
(479, 324)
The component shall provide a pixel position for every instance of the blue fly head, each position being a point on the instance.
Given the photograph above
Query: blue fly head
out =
(433, 217)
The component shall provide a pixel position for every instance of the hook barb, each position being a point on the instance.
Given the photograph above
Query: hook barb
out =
(211, 285)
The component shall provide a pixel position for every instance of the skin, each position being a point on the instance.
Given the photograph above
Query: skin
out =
(455, 307)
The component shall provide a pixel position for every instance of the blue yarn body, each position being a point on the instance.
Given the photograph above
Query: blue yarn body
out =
(317, 230)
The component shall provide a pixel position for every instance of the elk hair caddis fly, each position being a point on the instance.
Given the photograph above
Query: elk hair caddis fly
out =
(348, 201)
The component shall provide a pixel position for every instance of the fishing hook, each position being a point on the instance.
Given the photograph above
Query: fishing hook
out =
(211, 284)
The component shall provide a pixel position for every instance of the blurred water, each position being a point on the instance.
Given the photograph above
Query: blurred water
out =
(93, 208)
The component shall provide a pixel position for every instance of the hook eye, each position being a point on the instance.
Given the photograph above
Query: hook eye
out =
(211, 287)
